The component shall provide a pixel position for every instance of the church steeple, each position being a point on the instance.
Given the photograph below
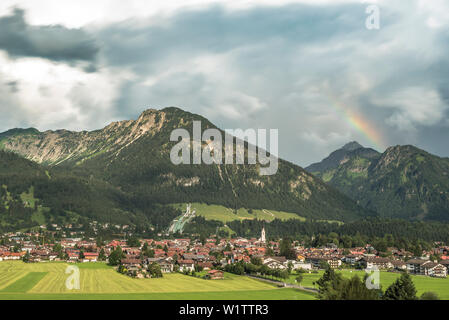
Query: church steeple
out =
(262, 236)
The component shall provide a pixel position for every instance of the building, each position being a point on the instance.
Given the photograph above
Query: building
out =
(90, 257)
(446, 264)
(263, 236)
(215, 275)
(318, 261)
(352, 259)
(166, 267)
(434, 269)
(275, 262)
(415, 266)
(302, 265)
(376, 262)
(186, 265)
(426, 268)
(399, 265)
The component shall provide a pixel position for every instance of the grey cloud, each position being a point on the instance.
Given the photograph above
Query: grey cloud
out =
(295, 61)
(55, 42)
(13, 86)
(290, 67)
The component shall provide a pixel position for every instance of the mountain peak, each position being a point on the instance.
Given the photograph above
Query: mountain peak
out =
(335, 159)
(351, 146)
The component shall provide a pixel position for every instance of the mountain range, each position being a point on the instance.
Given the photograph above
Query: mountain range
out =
(123, 174)
(403, 182)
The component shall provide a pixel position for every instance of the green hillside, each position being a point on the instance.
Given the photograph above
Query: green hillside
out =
(123, 173)
(403, 182)
(223, 214)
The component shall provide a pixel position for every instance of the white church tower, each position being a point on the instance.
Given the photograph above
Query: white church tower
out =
(262, 236)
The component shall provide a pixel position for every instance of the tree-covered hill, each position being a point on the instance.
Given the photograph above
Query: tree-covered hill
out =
(403, 182)
(31, 195)
(123, 171)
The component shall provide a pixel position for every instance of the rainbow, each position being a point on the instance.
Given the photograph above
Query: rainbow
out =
(360, 123)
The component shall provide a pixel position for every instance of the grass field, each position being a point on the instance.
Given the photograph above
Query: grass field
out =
(422, 283)
(99, 281)
(223, 214)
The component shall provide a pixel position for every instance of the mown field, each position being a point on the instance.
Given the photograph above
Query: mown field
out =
(98, 281)
(223, 214)
(422, 283)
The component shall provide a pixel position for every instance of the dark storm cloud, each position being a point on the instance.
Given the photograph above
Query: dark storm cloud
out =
(55, 42)
(216, 30)
(292, 67)
(289, 67)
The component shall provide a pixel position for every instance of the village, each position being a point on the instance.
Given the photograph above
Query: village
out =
(151, 258)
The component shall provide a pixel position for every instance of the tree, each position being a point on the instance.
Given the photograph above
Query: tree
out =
(116, 256)
(402, 289)
(102, 255)
(57, 248)
(299, 279)
(417, 250)
(355, 289)
(332, 286)
(133, 242)
(257, 261)
(155, 270)
(329, 285)
(429, 296)
(198, 268)
(26, 257)
(324, 265)
(289, 267)
(286, 249)
(269, 252)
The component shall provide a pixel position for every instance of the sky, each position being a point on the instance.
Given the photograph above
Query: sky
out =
(310, 68)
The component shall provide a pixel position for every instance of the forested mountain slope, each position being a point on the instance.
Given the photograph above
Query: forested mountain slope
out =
(125, 168)
(403, 182)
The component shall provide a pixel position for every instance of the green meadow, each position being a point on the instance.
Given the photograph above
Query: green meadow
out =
(46, 281)
(223, 214)
(422, 283)
(42, 281)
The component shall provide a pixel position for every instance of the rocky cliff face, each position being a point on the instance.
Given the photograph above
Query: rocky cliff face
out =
(56, 147)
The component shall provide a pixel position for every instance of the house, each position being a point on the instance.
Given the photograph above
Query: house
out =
(166, 267)
(415, 266)
(352, 259)
(434, 269)
(446, 264)
(131, 264)
(303, 266)
(13, 255)
(73, 256)
(317, 261)
(275, 262)
(186, 265)
(399, 265)
(376, 262)
(90, 257)
(215, 275)
(206, 265)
